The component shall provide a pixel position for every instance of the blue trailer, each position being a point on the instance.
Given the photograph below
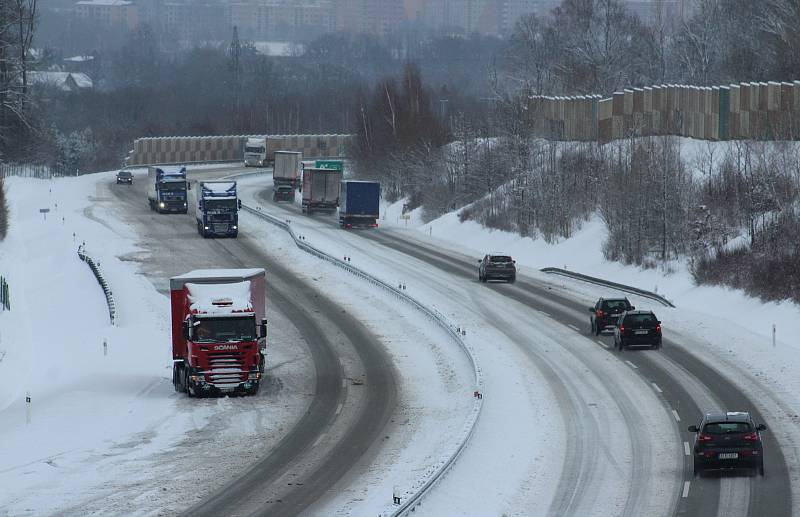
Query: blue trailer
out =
(166, 189)
(217, 209)
(359, 203)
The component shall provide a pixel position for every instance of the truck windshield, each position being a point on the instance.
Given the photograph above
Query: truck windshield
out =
(224, 330)
(220, 204)
(257, 150)
(173, 186)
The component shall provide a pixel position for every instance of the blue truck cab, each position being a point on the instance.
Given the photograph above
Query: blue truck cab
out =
(166, 189)
(217, 209)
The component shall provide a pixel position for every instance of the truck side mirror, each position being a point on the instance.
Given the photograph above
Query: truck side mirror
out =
(239, 203)
(187, 330)
(693, 429)
(188, 186)
(263, 330)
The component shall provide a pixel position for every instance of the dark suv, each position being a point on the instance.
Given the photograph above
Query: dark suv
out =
(606, 312)
(637, 328)
(124, 177)
(497, 267)
(728, 441)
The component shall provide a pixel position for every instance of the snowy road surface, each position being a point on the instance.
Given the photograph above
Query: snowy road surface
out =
(569, 427)
(726, 495)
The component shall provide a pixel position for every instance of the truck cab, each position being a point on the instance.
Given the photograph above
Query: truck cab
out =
(218, 331)
(166, 189)
(217, 209)
(255, 152)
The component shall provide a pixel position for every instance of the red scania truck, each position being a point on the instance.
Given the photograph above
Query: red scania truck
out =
(218, 331)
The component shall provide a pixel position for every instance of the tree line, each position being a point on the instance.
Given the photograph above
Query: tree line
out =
(657, 208)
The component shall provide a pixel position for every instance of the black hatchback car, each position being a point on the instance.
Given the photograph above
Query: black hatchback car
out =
(637, 328)
(729, 440)
(606, 312)
(125, 177)
(497, 267)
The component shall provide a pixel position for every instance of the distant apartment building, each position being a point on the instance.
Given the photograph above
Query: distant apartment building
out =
(260, 19)
(111, 14)
(369, 16)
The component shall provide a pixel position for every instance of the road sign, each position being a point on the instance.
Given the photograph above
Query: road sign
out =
(336, 165)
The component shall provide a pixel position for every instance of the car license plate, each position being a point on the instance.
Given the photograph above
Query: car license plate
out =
(728, 455)
(641, 332)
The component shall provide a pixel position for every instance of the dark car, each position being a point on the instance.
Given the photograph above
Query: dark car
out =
(637, 328)
(497, 267)
(283, 193)
(125, 177)
(729, 440)
(606, 312)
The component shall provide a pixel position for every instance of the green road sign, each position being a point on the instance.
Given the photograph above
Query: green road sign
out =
(336, 165)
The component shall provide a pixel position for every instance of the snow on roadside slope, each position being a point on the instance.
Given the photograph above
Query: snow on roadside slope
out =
(108, 434)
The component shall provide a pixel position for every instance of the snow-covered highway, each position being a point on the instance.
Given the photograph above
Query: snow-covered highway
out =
(568, 426)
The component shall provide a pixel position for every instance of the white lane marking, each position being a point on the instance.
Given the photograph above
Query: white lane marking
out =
(546, 314)
(676, 415)
(685, 489)
(602, 344)
(573, 327)
(686, 449)
(632, 365)
(338, 409)
(655, 387)
(319, 439)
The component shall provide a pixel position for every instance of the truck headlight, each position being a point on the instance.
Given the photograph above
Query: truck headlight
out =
(234, 227)
(205, 227)
(198, 378)
(184, 204)
(162, 205)
(254, 376)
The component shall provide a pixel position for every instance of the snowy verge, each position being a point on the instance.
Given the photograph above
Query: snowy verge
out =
(107, 434)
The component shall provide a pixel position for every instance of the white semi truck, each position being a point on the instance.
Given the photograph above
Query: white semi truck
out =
(255, 152)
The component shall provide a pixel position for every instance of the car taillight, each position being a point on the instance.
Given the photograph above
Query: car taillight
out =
(621, 328)
(658, 329)
(704, 437)
(751, 437)
(599, 313)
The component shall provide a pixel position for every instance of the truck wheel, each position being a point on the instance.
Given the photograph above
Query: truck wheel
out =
(189, 391)
(254, 389)
(176, 378)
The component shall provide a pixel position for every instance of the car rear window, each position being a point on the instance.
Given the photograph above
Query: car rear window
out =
(615, 305)
(726, 427)
(641, 319)
(499, 259)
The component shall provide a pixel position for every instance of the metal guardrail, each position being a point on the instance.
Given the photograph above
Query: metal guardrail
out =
(606, 283)
(412, 497)
(112, 308)
(5, 295)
